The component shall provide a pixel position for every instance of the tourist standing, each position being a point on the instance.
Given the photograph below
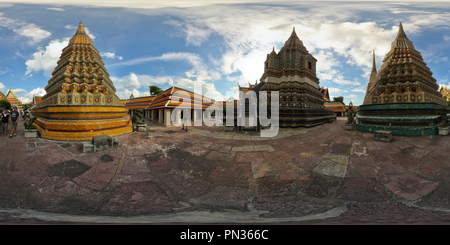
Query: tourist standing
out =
(5, 120)
(186, 117)
(14, 119)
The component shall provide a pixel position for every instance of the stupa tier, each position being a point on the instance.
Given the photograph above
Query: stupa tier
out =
(402, 96)
(80, 102)
(292, 72)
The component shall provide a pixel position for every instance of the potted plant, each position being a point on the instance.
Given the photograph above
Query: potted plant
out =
(349, 123)
(30, 128)
(444, 127)
(138, 120)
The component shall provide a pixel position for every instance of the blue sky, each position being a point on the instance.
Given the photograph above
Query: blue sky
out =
(217, 43)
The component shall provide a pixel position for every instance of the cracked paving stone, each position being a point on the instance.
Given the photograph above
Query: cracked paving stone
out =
(333, 165)
(410, 186)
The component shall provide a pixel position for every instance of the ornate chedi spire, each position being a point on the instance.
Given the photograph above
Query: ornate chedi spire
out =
(292, 72)
(294, 42)
(403, 76)
(401, 32)
(373, 74)
(80, 96)
(80, 29)
(374, 64)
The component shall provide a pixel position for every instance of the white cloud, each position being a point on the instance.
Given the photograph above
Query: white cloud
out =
(335, 76)
(133, 82)
(142, 4)
(19, 54)
(33, 32)
(4, 70)
(46, 59)
(249, 36)
(359, 90)
(336, 92)
(199, 70)
(2, 87)
(91, 35)
(125, 94)
(27, 97)
(56, 9)
(128, 82)
(29, 30)
(110, 55)
(19, 91)
(195, 35)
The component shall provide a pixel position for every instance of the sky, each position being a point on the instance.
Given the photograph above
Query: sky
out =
(217, 43)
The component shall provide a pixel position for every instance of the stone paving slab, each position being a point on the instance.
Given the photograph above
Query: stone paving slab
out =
(324, 172)
(333, 165)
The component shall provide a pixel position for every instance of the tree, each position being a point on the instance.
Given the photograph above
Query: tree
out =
(339, 99)
(155, 90)
(5, 104)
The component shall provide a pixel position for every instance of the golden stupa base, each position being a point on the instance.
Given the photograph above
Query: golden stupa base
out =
(81, 123)
(82, 135)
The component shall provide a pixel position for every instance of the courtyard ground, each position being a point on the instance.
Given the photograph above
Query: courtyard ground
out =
(319, 175)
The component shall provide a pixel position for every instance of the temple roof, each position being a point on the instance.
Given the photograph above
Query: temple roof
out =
(445, 93)
(169, 98)
(12, 97)
(2, 96)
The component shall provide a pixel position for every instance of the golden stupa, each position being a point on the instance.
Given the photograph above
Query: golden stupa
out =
(80, 102)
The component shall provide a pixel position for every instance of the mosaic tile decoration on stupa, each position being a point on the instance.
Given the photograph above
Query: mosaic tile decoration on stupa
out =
(402, 96)
(80, 102)
(292, 72)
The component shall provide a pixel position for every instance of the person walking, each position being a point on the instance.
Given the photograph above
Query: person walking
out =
(5, 120)
(14, 119)
(186, 118)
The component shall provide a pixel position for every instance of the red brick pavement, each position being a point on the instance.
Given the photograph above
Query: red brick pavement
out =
(166, 171)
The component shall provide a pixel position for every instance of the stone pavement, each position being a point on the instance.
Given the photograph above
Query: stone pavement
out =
(317, 175)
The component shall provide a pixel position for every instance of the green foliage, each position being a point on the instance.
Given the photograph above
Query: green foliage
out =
(155, 90)
(339, 99)
(443, 116)
(29, 124)
(138, 117)
(26, 115)
(5, 104)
